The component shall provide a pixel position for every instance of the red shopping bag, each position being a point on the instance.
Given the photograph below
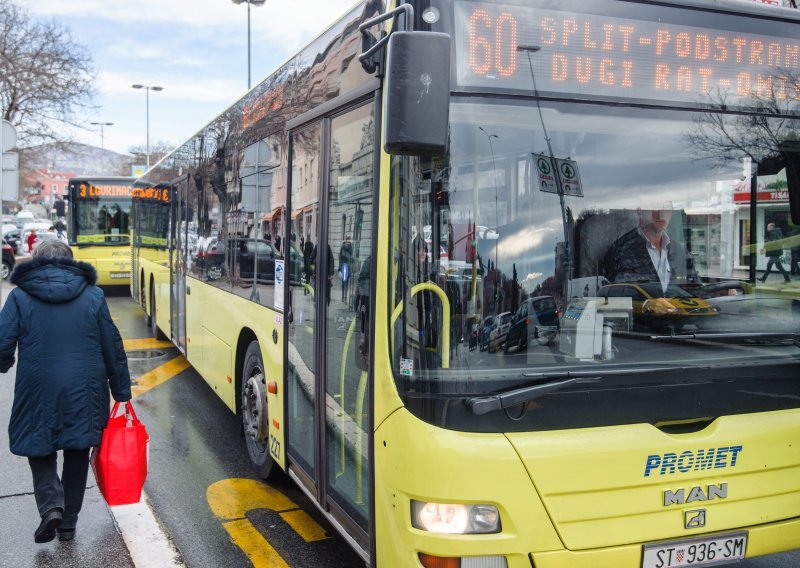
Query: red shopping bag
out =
(120, 463)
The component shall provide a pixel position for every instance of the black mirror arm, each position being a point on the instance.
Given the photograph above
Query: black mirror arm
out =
(371, 46)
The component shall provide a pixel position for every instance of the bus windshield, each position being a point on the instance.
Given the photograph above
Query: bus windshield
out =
(645, 262)
(99, 211)
(102, 221)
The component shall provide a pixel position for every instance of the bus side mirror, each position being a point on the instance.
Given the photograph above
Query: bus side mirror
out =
(417, 93)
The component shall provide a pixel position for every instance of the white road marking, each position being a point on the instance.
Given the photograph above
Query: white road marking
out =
(146, 540)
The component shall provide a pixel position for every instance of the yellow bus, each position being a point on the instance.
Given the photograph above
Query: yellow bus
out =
(150, 219)
(602, 192)
(99, 232)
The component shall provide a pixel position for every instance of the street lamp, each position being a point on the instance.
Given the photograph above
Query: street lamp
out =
(255, 3)
(496, 207)
(101, 125)
(530, 49)
(147, 89)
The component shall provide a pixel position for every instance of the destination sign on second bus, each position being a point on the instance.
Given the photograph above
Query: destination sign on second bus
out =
(104, 190)
(610, 56)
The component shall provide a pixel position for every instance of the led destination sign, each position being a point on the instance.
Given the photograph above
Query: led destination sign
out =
(88, 190)
(607, 56)
(104, 190)
(152, 193)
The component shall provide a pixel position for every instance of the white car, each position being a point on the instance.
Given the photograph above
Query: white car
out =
(502, 323)
(41, 236)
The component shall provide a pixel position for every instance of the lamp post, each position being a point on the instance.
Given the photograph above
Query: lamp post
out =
(255, 3)
(530, 49)
(101, 125)
(496, 206)
(147, 89)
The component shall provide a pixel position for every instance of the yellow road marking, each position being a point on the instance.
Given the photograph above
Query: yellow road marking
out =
(145, 343)
(159, 375)
(258, 550)
(304, 525)
(230, 499)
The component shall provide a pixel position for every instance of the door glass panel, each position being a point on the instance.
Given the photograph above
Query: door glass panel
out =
(347, 268)
(302, 329)
(259, 202)
(181, 261)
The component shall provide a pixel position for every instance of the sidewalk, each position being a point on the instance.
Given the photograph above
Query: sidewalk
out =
(97, 542)
(122, 537)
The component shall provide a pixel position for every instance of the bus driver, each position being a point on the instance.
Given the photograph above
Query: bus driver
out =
(646, 253)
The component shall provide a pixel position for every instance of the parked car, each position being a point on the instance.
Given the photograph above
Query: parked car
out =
(255, 258)
(536, 318)
(502, 323)
(484, 332)
(40, 237)
(654, 308)
(12, 238)
(8, 260)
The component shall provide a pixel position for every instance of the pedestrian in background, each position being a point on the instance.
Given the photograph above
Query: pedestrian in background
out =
(774, 251)
(31, 240)
(70, 352)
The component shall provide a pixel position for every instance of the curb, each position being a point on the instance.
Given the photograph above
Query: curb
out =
(147, 542)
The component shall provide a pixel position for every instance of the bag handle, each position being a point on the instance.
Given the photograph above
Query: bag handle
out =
(129, 411)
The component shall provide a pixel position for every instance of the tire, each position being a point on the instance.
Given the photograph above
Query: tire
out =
(5, 270)
(154, 330)
(255, 416)
(523, 342)
(143, 302)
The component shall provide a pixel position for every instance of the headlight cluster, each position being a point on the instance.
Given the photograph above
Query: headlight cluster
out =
(454, 518)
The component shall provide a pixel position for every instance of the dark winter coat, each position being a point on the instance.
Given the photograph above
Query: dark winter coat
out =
(628, 261)
(70, 352)
(774, 247)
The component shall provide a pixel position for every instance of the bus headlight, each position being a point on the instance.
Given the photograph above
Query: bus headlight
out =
(454, 518)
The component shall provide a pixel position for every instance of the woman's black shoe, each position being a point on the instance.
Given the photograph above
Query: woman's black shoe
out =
(65, 534)
(47, 528)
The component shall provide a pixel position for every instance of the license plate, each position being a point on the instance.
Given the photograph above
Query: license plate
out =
(701, 551)
(120, 275)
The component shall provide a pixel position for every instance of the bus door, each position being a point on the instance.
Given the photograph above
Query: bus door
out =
(327, 374)
(179, 256)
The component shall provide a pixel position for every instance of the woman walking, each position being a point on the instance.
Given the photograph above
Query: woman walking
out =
(70, 353)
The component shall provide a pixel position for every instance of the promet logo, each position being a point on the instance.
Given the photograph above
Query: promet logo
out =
(698, 460)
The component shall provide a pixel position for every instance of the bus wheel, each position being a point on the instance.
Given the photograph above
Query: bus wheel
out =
(143, 301)
(255, 419)
(154, 331)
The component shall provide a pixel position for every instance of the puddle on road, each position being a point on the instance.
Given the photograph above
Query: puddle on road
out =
(141, 361)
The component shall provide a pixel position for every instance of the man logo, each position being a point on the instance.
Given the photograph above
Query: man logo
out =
(694, 519)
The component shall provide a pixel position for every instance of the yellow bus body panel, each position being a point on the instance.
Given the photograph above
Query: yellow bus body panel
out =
(604, 466)
(414, 460)
(215, 320)
(153, 268)
(618, 504)
(113, 263)
(765, 539)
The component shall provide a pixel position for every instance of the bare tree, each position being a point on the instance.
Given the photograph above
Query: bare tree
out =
(45, 75)
(770, 122)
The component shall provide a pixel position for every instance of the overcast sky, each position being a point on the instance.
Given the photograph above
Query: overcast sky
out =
(195, 49)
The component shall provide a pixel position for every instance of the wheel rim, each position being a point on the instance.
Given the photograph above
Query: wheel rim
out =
(5, 271)
(254, 408)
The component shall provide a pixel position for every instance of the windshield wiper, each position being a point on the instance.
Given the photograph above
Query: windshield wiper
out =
(480, 405)
(547, 382)
(728, 337)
